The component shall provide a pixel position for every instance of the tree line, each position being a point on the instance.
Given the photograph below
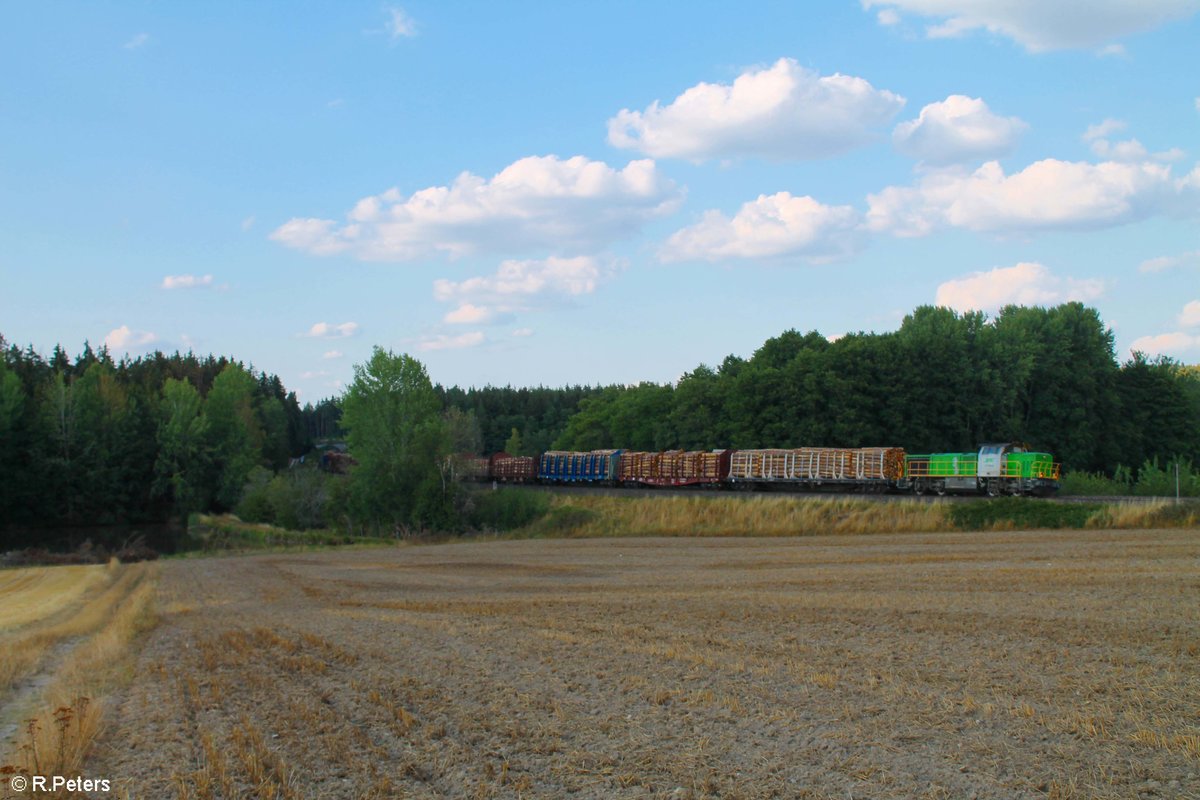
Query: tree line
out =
(91, 440)
(943, 382)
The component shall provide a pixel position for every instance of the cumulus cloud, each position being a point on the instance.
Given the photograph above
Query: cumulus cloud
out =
(470, 314)
(779, 112)
(957, 129)
(516, 284)
(1164, 263)
(1039, 26)
(323, 330)
(1027, 284)
(774, 226)
(1048, 194)
(331, 354)
(545, 202)
(446, 342)
(1190, 316)
(1097, 137)
(1166, 344)
(123, 338)
(186, 281)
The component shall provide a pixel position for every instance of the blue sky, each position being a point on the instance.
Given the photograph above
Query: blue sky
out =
(541, 193)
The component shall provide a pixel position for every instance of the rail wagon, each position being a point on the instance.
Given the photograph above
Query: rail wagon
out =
(596, 466)
(994, 470)
(506, 468)
(878, 468)
(473, 468)
(675, 468)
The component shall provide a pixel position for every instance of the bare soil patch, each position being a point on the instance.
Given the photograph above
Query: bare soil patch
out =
(995, 665)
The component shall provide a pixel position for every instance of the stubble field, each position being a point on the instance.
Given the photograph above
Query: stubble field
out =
(992, 665)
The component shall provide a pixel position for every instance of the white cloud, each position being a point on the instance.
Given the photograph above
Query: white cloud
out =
(780, 112)
(469, 314)
(1128, 150)
(248, 223)
(399, 24)
(957, 129)
(309, 375)
(186, 281)
(323, 330)
(773, 226)
(1048, 194)
(1026, 284)
(331, 354)
(1113, 51)
(543, 203)
(445, 342)
(522, 332)
(1097, 136)
(123, 338)
(1163, 263)
(1166, 344)
(1190, 316)
(137, 41)
(888, 16)
(1038, 25)
(518, 284)
(1102, 130)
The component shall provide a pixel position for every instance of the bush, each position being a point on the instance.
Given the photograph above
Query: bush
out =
(1156, 481)
(255, 505)
(505, 509)
(1020, 512)
(1095, 484)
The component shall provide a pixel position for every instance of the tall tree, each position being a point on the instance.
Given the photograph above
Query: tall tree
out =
(235, 435)
(182, 464)
(394, 429)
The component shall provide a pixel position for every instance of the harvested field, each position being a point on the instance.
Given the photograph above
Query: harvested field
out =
(991, 665)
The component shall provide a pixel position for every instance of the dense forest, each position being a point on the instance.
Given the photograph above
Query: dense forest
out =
(93, 441)
(942, 382)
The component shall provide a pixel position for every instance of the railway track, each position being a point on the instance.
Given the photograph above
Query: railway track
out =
(650, 491)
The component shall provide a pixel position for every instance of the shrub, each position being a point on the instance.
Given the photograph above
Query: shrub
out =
(505, 509)
(1020, 512)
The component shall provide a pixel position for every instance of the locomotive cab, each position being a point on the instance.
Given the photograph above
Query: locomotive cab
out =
(1012, 469)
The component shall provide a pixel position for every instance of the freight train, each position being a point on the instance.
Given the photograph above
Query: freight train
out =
(995, 469)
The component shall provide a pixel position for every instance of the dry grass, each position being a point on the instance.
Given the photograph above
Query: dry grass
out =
(948, 665)
(35, 594)
(762, 515)
(88, 608)
(587, 516)
(64, 708)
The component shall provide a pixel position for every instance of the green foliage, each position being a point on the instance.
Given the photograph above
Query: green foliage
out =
(226, 533)
(1094, 484)
(394, 429)
(512, 445)
(183, 461)
(235, 435)
(255, 504)
(1160, 481)
(1021, 513)
(508, 508)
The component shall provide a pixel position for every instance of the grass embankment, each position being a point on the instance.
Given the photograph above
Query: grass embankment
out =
(57, 663)
(580, 516)
(208, 534)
